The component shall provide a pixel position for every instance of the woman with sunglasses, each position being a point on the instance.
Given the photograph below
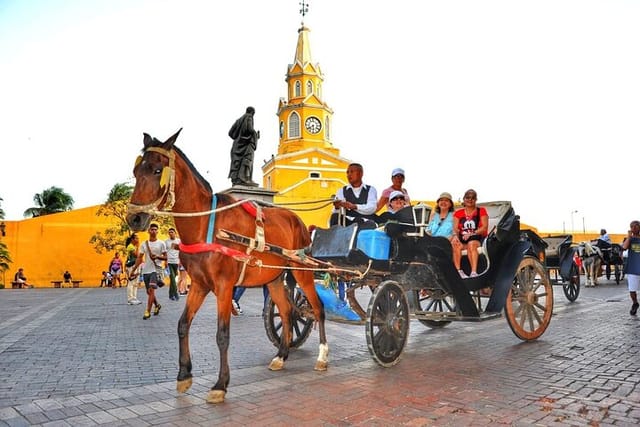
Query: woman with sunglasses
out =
(471, 223)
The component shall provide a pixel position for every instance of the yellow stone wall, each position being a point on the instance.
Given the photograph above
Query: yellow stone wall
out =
(46, 246)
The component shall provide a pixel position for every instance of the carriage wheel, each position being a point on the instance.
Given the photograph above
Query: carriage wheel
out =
(572, 287)
(435, 301)
(387, 325)
(617, 273)
(302, 324)
(529, 304)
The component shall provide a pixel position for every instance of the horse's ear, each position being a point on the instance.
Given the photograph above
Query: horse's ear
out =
(147, 140)
(168, 144)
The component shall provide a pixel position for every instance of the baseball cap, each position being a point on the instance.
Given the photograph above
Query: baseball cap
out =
(397, 171)
(394, 194)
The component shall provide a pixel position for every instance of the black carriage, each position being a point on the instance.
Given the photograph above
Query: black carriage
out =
(611, 256)
(560, 262)
(411, 275)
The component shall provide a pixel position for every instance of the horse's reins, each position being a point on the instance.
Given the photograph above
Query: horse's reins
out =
(167, 180)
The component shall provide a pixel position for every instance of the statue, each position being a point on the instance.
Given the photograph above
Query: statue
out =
(245, 141)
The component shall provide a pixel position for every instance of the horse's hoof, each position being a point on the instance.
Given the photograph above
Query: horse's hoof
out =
(321, 365)
(277, 364)
(183, 385)
(215, 396)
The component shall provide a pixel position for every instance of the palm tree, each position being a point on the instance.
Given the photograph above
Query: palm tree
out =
(1, 210)
(51, 200)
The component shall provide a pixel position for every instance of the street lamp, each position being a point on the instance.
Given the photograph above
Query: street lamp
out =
(572, 227)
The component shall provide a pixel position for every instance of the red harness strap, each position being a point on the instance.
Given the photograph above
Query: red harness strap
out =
(250, 207)
(213, 247)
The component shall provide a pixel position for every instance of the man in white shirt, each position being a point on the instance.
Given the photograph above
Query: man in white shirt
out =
(173, 261)
(358, 200)
(152, 255)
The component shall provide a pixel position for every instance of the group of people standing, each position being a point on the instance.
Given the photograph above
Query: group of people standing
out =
(465, 228)
(147, 262)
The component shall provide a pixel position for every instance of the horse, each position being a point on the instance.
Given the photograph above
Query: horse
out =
(591, 257)
(217, 253)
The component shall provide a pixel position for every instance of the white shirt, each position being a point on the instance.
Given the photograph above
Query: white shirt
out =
(372, 199)
(158, 248)
(173, 255)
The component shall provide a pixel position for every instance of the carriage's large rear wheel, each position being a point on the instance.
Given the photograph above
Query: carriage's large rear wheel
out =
(387, 326)
(302, 324)
(529, 305)
(571, 288)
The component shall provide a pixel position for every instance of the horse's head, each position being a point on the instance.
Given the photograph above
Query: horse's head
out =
(154, 171)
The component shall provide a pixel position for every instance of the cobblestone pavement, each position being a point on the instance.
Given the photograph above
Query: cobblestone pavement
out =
(81, 357)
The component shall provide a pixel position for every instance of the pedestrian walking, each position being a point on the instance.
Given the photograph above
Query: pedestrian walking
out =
(153, 253)
(632, 244)
(133, 250)
(173, 261)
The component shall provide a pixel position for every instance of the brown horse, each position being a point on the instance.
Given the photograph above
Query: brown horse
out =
(167, 182)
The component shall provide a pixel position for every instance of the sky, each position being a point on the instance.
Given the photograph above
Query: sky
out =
(536, 102)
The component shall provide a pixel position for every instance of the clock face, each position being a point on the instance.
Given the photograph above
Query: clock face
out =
(313, 125)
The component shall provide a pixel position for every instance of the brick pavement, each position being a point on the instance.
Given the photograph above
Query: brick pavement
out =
(72, 357)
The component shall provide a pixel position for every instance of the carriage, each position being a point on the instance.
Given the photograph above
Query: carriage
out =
(411, 276)
(611, 257)
(560, 262)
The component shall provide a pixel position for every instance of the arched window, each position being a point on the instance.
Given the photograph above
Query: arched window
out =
(309, 87)
(294, 125)
(327, 128)
(298, 88)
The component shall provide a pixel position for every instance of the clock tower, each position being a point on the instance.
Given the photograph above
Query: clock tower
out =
(308, 167)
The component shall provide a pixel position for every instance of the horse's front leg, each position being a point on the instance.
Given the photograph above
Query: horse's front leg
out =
(281, 300)
(305, 280)
(195, 299)
(219, 390)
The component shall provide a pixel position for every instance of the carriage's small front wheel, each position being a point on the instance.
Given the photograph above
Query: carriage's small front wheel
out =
(387, 325)
(571, 288)
(435, 301)
(529, 304)
(302, 324)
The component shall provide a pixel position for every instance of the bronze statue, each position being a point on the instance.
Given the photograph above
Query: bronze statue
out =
(245, 141)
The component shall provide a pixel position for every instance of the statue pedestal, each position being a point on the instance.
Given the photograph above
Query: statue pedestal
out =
(247, 192)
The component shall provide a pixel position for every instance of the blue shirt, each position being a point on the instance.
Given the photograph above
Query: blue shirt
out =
(441, 227)
(633, 256)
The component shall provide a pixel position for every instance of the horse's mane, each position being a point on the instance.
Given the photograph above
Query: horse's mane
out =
(193, 169)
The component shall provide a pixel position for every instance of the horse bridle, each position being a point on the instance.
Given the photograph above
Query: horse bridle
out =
(167, 180)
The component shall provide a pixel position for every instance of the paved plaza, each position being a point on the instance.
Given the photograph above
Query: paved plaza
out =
(83, 357)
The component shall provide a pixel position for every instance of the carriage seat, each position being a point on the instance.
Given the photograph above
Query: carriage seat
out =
(556, 244)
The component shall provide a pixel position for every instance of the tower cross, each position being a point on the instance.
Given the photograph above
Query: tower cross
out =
(304, 8)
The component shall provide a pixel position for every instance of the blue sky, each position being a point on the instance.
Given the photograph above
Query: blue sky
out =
(533, 102)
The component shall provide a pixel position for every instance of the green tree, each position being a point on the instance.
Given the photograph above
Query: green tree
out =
(51, 200)
(113, 238)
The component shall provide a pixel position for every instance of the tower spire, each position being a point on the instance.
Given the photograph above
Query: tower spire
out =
(304, 9)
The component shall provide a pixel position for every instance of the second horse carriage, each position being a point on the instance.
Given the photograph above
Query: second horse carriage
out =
(560, 256)
(411, 276)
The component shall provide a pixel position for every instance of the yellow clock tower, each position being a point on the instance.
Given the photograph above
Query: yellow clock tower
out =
(308, 169)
